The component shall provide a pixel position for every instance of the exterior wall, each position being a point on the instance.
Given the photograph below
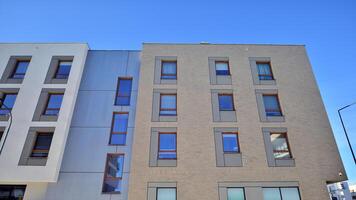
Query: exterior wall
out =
(25, 105)
(82, 170)
(197, 177)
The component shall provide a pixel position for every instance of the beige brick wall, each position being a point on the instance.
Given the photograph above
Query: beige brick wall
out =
(310, 136)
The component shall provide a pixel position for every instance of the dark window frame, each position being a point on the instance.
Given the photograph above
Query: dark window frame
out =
(112, 178)
(65, 76)
(157, 188)
(159, 145)
(272, 110)
(232, 100)
(228, 68)
(45, 151)
(167, 109)
(237, 141)
(265, 75)
(118, 95)
(118, 133)
(14, 73)
(52, 109)
(288, 146)
(175, 77)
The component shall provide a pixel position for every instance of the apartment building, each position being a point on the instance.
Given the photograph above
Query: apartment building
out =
(173, 122)
(230, 122)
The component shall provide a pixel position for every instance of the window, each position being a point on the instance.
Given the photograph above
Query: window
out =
(1, 133)
(230, 143)
(222, 68)
(20, 69)
(226, 102)
(272, 106)
(7, 103)
(168, 104)
(63, 70)
(166, 193)
(53, 104)
(287, 193)
(169, 70)
(119, 129)
(167, 146)
(264, 71)
(113, 173)
(12, 192)
(280, 146)
(42, 145)
(123, 93)
(235, 194)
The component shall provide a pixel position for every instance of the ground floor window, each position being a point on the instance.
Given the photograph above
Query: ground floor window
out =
(12, 192)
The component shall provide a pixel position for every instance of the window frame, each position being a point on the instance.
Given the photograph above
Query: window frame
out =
(270, 68)
(112, 178)
(13, 73)
(117, 96)
(280, 191)
(34, 150)
(167, 109)
(159, 144)
(228, 68)
(278, 103)
(175, 189)
(232, 100)
(169, 74)
(288, 146)
(52, 109)
(3, 100)
(118, 133)
(57, 69)
(237, 142)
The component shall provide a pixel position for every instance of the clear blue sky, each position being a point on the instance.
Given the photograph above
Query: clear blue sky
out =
(327, 28)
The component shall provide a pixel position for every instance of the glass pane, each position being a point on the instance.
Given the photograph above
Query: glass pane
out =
(123, 100)
(21, 69)
(9, 100)
(63, 70)
(112, 185)
(169, 67)
(167, 142)
(166, 194)
(12, 192)
(124, 92)
(235, 194)
(271, 105)
(290, 194)
(280, 145)
(264, 69)
(225, 102)
(43, 141)
(167, 146)
(120, 122)
(125, 86)
(230, 143)
(55, 101)
(271, 194)
(222, 68)
(8, 103)
(114, 166)
(168, 101)
(118, 139)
